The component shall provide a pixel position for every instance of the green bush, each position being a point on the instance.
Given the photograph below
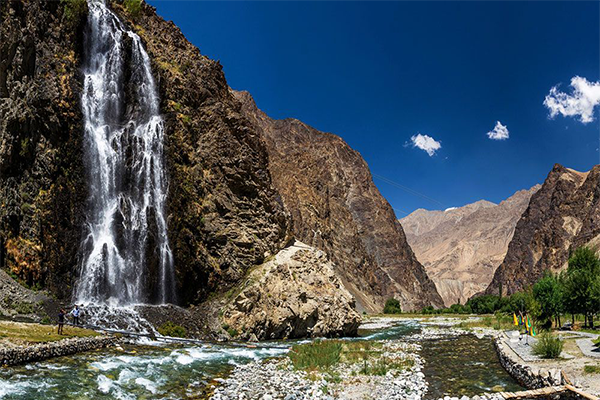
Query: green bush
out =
(392, 306)
(133, 7)
(23, 308)
(232, 332)
(74, 11)
(548, 346)
(318, 354)
(170, 329)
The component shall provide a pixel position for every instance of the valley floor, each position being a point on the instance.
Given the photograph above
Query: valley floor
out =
(409, 357)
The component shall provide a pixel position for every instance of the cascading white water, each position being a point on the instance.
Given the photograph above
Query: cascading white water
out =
(126, 257)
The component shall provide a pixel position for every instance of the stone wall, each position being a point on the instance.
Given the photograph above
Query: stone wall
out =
(24, 354)
(530, 377)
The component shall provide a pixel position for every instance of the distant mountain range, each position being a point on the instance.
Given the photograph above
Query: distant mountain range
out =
(461, 247)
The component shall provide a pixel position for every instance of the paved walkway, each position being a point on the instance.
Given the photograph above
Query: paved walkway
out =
(523, 346)
(586, 344)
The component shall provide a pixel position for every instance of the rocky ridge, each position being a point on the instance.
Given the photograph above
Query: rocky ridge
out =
(461, 247)
(564, 214)
(327, 188)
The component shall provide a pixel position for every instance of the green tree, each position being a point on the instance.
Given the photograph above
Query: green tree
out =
(392, 306)
(486, 304)
(548, 292)
(582, 284)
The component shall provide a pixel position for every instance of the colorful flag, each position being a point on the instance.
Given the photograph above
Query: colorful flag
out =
(533, 331)
(515, 319)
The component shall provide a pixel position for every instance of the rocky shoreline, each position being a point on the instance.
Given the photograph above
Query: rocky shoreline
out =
(21, 354)
(277, 379)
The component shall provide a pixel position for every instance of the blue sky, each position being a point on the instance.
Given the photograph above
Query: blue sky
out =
(379, 73)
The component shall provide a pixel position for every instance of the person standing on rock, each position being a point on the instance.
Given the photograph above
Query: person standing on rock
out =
(75, 314)
(61, 321)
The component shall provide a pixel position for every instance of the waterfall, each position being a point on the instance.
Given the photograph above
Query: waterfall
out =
(125, 256)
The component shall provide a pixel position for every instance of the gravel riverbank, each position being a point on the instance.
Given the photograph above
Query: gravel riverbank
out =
(278, 379)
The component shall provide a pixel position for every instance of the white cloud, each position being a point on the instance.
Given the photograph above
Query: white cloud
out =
(500, 132)
(426, 143)
(581, 103)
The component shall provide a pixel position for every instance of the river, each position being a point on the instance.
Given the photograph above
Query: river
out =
(463, 365)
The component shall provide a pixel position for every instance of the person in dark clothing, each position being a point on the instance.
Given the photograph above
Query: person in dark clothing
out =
(61, 321)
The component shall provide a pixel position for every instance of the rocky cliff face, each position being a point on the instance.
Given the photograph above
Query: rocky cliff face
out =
(462, 247)
(227, 170)
(41, 170)
(328, 190)
(224, 214)
(563, 215)
(296, 294)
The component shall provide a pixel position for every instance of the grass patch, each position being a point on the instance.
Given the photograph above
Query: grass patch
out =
(591, 369)
(548, 346)
(320, 354)
(497, 322)
(382, 365)
(173, 330)
(36, 333)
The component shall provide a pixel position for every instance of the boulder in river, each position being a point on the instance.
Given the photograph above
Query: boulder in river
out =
(296, 294)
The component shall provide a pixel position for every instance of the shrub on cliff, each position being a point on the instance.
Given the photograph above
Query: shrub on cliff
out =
(548, 346)
(133, 7)
(74, 11)
(170, 329)
(392, 306)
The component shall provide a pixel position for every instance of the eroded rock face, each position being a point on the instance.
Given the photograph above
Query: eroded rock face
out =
(224, 215)
(461, 247)
(328, 190)
(225, 207)
(296, 294)
(563, 215)
(42, 192)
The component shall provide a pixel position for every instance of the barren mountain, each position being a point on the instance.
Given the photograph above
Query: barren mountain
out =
(462, 247)
(563, 215)
(334, 205)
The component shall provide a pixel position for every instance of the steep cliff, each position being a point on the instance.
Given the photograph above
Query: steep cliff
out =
(328, 190)
(563, 215)
(224, 215)
(461, 247)
(42, 192)
(227, 173)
